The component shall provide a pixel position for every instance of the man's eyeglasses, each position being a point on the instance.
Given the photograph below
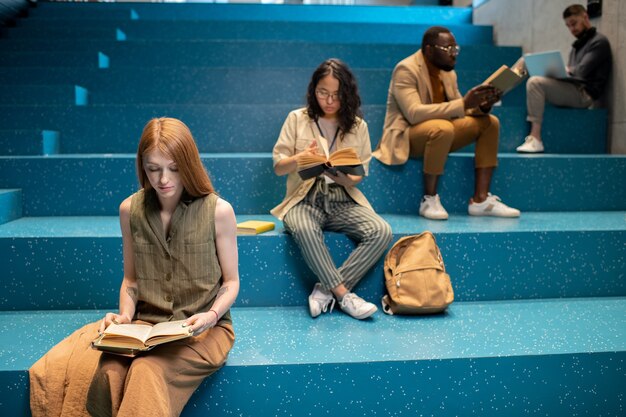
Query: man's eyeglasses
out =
(450, 49)
(323, 95)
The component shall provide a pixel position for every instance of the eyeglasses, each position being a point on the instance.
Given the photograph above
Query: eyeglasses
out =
(323, 95)
(450, 49)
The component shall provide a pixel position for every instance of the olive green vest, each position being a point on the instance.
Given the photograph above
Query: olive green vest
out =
(177, 275)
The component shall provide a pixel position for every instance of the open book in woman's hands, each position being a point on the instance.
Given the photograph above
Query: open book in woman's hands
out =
(345, 160)
(131, 339)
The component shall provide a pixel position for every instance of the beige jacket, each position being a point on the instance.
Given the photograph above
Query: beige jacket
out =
(410, 102)
(297, 133)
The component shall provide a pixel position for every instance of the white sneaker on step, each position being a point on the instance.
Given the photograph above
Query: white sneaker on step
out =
(431, 208)
(531, 145)
(492, 206)
(319, 300)
(356, 307)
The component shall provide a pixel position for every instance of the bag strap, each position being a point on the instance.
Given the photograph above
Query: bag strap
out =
(386, 307)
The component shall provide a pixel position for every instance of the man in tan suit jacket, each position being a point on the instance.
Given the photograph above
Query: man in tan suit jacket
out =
(428, 117)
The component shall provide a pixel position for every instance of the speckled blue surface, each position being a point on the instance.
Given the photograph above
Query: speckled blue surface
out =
(10, 205)
(530, 183)
(254, 128)
(540, 255)
(266, 13)
(29, 142)
(250, 54)
(301, 31)
(493, 356)
(34, 94)
(288, 335)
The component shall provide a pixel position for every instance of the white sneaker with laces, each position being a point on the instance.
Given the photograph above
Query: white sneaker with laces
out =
(492, 206)
(431, 208)
(531, 145)
(356, 307)
(319, 300)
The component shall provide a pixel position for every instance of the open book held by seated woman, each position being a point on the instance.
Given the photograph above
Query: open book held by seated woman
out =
(180, 263)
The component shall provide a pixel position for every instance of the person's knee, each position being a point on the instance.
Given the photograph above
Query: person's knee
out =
(300, 229)
(494, 122)
(380, 231)
(442, 132)
(535, 83)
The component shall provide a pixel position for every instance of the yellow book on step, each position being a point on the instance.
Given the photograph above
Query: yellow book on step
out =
(254, 227)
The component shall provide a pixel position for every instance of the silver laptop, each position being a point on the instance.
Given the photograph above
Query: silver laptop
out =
(546, 64)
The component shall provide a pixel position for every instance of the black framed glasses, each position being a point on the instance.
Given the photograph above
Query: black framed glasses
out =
(453, 50)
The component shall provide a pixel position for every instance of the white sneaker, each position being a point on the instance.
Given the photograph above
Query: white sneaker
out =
(492, 206)
(431, 208)
(357, 307)
(319, 300)
(531, 145)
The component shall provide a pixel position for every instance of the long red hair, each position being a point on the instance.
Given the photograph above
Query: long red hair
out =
(173, 138)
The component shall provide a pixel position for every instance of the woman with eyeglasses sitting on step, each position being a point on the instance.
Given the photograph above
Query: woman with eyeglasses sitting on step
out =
(180, 263)
(330, 201)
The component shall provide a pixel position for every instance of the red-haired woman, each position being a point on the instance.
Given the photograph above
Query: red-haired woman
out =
(180, 263)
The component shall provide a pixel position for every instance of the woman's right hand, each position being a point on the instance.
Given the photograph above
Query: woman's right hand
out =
(113, 318)
(310, 150)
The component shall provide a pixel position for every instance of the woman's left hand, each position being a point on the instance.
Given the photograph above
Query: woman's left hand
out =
(201, 322)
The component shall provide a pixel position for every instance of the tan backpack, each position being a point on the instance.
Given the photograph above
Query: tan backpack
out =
(416, 279)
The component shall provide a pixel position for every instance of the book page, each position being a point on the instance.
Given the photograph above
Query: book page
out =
(309, 160)
(169, 328)
(140, 332)
(345, 156)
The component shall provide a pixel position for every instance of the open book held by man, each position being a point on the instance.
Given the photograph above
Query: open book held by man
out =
(505, 79)
(131, 339)
(345, 160)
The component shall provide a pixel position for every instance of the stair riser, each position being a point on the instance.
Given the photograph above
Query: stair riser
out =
(553, 385)
(407, 34)
(249, 184)
(244, 55)
(85, 273)
(256, 12)
(254, 128)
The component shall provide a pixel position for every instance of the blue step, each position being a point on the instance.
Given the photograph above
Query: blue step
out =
(541, 255)
(29, 142)
(205, 85)
(522, 358)
(223, 128)
(40, 60)
(263, 13)
(202, 30)
(36, 95)
(246, 86)
(240, 54)
(10, 206)
(528, 182)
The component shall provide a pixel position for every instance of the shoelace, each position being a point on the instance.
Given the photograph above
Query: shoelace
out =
(332, 305)
(324, 303)
(352, 299)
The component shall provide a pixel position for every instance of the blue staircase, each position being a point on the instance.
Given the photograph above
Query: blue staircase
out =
(539, 322)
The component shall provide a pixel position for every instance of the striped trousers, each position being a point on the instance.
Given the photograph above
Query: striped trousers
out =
(329, 207)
